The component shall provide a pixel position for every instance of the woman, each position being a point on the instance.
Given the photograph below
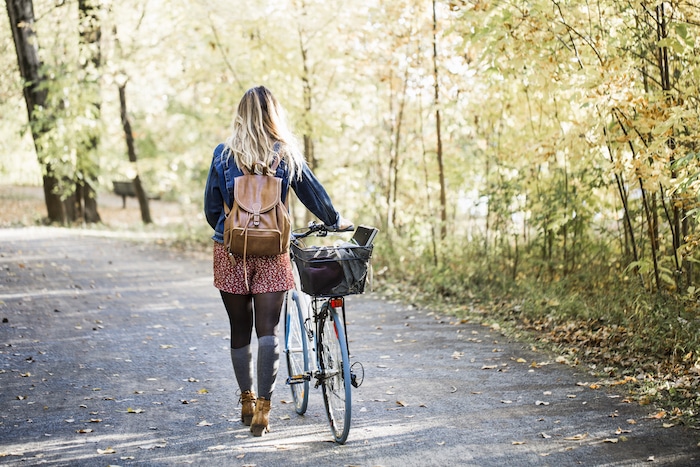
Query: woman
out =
(254, 297)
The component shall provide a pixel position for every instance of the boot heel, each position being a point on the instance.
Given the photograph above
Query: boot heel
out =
(261, 417)
(247, 402)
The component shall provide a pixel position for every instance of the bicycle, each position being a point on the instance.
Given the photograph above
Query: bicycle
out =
(323, 277)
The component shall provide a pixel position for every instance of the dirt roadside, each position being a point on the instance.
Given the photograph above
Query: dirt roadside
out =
(25, 206)
(114, 352)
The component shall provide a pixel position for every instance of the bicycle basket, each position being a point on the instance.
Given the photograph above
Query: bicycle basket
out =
(332, 271)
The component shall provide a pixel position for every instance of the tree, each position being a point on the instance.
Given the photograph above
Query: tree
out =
(131, 150)
(21, 16)
(438, 129)
(83, 202)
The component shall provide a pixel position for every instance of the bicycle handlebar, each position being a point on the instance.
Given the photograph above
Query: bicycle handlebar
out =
(319, 230)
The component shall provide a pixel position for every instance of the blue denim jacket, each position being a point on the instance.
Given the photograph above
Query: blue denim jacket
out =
(223, 172)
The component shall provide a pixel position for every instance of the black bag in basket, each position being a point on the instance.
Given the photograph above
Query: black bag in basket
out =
(332, 271)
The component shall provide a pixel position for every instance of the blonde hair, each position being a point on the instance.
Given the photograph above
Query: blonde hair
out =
(259, 124)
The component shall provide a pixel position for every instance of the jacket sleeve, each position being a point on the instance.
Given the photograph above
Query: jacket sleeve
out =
(213, 198)
(312, 195)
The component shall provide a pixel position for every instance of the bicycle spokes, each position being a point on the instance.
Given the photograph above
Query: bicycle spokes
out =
(335, 373)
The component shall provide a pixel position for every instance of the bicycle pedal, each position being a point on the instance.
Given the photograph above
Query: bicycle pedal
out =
(296, 379)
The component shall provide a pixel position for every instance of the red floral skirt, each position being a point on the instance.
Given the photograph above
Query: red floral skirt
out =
(265, 274)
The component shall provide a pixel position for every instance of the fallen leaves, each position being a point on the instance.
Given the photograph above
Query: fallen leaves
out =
(593, 386)
(625, 380)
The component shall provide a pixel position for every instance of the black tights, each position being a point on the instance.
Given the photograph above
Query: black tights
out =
(267, 308)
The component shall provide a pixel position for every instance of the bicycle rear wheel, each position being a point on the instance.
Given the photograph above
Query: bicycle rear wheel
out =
(296, 350)
(335, 369)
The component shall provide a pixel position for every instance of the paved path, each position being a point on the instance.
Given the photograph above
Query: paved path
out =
(115, 352)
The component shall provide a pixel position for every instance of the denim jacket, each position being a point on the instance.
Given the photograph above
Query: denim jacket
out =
(222, 175)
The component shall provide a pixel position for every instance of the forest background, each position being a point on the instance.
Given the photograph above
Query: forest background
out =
(531, 164)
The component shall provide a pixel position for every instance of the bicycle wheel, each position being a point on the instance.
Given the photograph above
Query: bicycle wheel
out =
(335, 370)
(296, 350)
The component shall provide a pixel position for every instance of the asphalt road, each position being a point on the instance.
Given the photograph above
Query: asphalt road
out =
(115, 352)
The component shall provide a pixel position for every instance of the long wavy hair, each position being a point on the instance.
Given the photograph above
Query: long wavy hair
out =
(259, 124)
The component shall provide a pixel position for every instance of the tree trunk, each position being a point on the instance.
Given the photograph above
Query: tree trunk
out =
(676, 199)
(395, 155)
(441, 167)
(21, 15)
(90, 58)
(308, 127)
(128, 134)
(426, 179)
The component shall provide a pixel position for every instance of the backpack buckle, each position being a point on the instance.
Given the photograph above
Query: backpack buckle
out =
(256, 213)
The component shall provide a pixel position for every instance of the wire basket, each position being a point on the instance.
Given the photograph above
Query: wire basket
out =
(332, 271)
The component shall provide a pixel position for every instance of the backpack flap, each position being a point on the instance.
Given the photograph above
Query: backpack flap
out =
(257, 193)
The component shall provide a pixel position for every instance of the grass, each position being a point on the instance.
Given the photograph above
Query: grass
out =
(648, 343)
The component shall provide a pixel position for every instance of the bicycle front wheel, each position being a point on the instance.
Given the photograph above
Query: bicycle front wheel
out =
(296, 350)
(335, 370)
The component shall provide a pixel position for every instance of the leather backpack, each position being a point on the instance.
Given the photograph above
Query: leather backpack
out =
(258, 223)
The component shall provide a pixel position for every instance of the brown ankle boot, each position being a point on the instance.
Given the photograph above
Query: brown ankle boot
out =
(261, 418)
(247, 401)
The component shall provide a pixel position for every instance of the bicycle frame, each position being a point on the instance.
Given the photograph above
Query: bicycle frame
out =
(319, 311)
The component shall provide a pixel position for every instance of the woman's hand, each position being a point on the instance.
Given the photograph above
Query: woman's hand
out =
(345, 224)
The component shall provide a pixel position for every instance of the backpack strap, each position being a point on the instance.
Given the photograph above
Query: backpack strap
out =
(275, 163)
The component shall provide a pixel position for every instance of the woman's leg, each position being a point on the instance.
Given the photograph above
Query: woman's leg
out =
(268, 307)
(240, 315)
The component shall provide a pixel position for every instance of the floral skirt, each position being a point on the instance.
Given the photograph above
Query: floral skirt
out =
(255, 275)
